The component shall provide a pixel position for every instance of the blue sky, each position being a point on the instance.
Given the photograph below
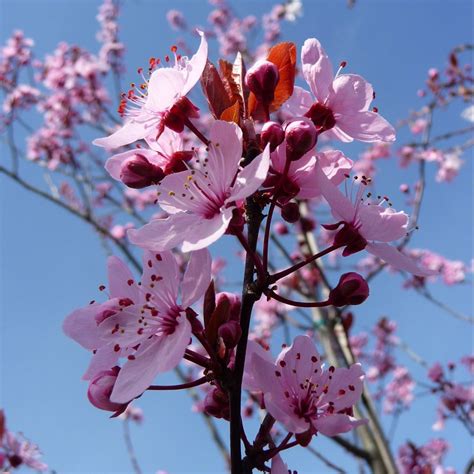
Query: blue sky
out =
(52, 263)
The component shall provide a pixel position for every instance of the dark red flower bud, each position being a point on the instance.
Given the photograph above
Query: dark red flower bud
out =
(290, 212)
(351, 289)
(273, 133)
(216, 403)
(281, 228)
(234, 304)
(262, 79)
(137, 172)
(307, 224)
(177, 162)
(230, 333)
(100, 389)
(301, 137)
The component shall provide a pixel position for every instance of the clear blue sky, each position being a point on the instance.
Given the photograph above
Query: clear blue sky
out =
(52, 263)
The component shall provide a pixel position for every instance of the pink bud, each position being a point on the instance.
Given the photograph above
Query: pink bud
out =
(230, 333)
(272, 133)
(100, 389)
(262, 79)
(351, 289)
(280, 228)
(216, 403)
(301, 137)
(137, 172)
(290, 212)
(234, 304)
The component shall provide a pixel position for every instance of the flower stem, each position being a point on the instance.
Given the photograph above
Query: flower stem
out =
(181, 386)
(299, 304)
(294, 268)
(196, 132)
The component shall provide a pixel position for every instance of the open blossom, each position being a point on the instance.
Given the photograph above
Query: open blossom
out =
(21, 452)
(142, 322)
(339, 105)
(367, 225)
(143, 167)
(200, 202)
(299, 182)
(149, 113)
(301, 394)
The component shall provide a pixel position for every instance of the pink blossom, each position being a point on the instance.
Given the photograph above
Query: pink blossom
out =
(367, 225)
(449, 166)
(20, 451)
(301, 395)
(278, 466)
(399, 391)
(201, 201)
(142, 322)
(339, 105)
(167, 87)
(301, 176)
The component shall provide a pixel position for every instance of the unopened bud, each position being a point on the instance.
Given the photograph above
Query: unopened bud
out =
(301, 137)
(216, 403)
(137, 172)
(290, 212)
(262, 79)
(100, 389)
(273, 133)
(234, 304)
(352, 289)
(281, 228)
(230, 333)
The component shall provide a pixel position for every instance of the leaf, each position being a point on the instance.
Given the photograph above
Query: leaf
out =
(238, 73)
(283, 55)
(219, 316)
(232, 113)
(228, 81)
(214, 90)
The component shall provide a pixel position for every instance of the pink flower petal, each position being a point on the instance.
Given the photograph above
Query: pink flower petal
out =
(366, 127)
(196, 278)
(299, 103)
(120, 278)
(81, 326)
(161, 278)
(382, 223)
(154, 356)
(103, 359)
(251, 177)
(317, 69)
(333, 425)
(352, 93)
(196, 65)
(278, 466)
(397, 260)
(130, 132)
(249, 382)
(165, 87)
(341, 207)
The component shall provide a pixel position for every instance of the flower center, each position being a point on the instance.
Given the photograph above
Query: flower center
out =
(321, 116)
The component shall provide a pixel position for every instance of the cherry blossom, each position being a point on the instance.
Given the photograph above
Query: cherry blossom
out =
(142, 322)
(201, 201)
(167, 88)
(302, 395)
(367, 225)
(339, 105)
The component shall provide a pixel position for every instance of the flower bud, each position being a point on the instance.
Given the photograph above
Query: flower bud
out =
(230, 333)
(216, 403)
(351, 289)
(262, 79)
(301, 137)
(100, 389)
(290, 212)
(273, 133)
(281, 228)
(234, 304)
(137, 172)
